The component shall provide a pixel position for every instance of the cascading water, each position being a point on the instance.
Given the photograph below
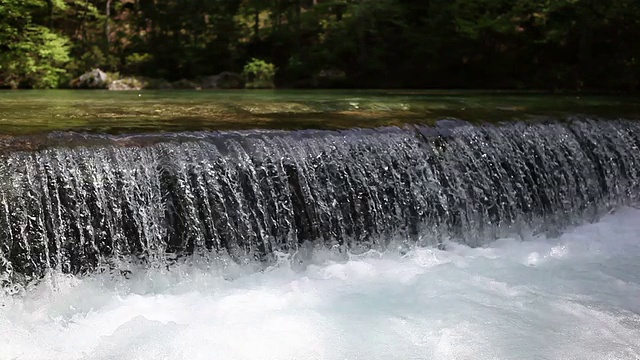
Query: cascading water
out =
(76, 202)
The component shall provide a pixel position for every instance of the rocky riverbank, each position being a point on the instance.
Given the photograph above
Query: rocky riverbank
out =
(98, 79)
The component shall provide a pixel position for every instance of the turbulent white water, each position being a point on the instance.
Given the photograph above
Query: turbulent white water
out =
(73, 202)
(574, 297)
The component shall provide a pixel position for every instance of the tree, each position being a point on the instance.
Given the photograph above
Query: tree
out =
(31, 55)
(576, 44)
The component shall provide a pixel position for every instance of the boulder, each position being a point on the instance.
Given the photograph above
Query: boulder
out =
(224, 80)
(329, 78)
(230, 80)
(124, 84)
(185, 84)
(94, 79)
(209, 82)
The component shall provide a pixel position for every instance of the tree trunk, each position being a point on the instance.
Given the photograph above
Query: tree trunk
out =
(278, 16)
(298, 24)
(106, 24)
(256, 25)
(50, 8)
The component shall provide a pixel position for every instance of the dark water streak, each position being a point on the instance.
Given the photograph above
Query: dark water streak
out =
(82, 202)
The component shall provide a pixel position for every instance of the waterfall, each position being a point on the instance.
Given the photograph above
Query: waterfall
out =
(74, 202)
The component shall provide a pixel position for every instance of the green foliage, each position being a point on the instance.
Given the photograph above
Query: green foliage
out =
(32, 55)
(549, 44)
(93, 57)
(138, 60)
(259, 74)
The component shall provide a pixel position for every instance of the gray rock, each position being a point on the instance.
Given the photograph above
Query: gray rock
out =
(126, 84)
(209, 82)
(230, 80)
(224, 80)
(185, 84)
(329, 78)
(94, 79)
(156, 84)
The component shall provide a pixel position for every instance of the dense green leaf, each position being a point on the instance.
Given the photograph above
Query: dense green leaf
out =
(575, 44)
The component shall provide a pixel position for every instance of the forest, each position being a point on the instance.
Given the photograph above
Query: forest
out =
(487, 44)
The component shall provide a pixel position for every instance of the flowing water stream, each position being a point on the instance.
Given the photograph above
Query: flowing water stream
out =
(439, 239)
(571, 297)
(252, 194)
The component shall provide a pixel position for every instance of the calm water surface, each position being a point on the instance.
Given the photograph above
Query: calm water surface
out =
(31, 112)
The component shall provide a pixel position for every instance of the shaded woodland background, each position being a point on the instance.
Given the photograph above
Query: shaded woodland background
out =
(507, 44)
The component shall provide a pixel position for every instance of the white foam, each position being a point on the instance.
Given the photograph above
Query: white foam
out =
(575, 297)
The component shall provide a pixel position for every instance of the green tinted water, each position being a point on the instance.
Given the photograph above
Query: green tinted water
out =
(32, 112)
